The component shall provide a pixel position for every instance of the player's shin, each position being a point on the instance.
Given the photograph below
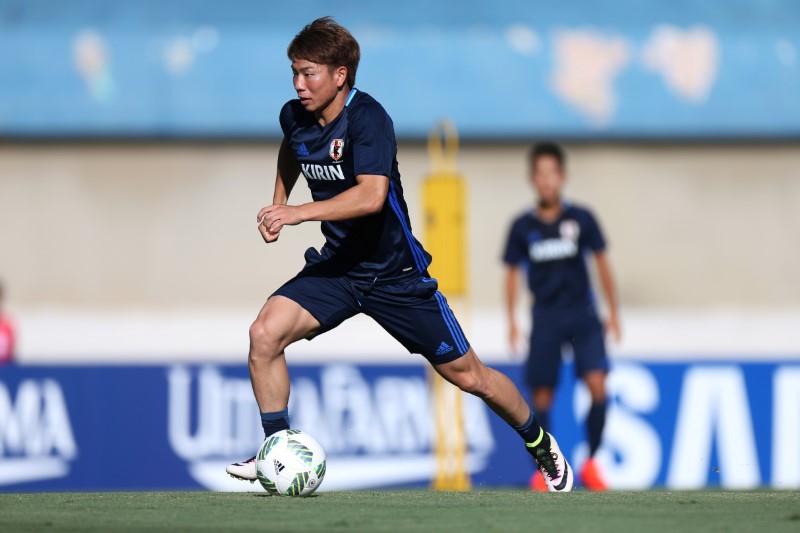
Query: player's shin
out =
(595, 422)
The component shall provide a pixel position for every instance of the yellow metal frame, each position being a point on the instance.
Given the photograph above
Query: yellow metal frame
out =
(444, 200)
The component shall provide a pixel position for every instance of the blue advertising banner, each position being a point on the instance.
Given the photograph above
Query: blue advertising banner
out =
(505, 69)
(678, 425)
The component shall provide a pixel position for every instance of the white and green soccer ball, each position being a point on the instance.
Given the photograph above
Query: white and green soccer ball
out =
(290, 463)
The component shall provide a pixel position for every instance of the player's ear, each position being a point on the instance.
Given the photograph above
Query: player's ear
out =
(340, 75)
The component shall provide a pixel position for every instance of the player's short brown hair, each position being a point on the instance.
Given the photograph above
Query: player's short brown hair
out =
(326, 42)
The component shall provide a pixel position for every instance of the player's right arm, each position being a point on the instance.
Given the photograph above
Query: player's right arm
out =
(512, 280)
(513, 256)
(285, 179)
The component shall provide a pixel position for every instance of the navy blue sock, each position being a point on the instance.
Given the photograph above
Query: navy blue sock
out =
(544, 419)
(530, 431)
(594, 425)
(274, 422)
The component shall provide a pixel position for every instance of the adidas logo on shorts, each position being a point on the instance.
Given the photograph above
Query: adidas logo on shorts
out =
(444, 348)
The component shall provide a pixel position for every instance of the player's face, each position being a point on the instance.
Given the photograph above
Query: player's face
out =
(316, 85)
(547, 177)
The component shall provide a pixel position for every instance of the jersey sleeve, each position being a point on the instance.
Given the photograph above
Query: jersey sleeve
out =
(516, 250)
(594, 237)
(286, 118)
(374, 147)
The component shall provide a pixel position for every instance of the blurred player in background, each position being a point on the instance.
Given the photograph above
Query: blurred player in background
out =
(343, 143)
(552, 244)
(7, 337)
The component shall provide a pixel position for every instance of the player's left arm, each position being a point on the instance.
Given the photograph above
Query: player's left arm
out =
(613, 326)
(365, 198)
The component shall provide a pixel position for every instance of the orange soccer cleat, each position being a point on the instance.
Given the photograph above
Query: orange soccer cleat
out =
(591, 477)
(537, 482)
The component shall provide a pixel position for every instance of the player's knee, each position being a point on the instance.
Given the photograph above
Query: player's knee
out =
(257, 332)
(469, 375)
(473, 383)
(265, 341)
(595, 382)
(542, 399)
(598, 397)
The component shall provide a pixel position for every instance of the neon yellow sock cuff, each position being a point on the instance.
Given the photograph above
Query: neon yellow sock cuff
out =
(537, 441)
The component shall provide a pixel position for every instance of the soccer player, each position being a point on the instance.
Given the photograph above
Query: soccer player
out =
(552, 243)
(342, 141)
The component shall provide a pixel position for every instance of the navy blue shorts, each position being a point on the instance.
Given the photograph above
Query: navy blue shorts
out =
(551, 330)
(410, 309)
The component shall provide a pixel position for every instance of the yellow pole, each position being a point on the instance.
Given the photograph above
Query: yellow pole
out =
(444, 236)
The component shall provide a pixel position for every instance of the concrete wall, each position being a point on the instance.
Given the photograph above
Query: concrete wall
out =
(172, 226)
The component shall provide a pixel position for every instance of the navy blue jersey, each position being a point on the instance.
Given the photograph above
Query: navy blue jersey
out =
(358, 141)
(554, 255)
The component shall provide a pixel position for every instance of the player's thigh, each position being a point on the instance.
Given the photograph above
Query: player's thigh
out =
(328, 299)
(281, 322)
(588, 344)
(543, 366)
(419, 317)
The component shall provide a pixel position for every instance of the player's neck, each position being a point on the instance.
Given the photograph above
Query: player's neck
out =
(328, 114)
(549, 212)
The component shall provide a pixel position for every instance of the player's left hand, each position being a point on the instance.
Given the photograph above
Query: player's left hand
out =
(266, 235)
(613, 328)
(515, 340)
(274, 217)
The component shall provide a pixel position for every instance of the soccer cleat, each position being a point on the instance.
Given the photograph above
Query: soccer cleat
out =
(591, 477)
(552, 463)
(537, 482)
(246, 470)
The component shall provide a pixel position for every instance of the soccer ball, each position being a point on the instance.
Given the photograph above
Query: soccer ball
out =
(290, 463)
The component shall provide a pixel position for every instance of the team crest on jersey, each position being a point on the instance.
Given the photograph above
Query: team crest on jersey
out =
(337, 149)
(569, 229)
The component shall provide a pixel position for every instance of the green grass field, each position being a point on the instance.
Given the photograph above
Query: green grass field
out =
(508, 510)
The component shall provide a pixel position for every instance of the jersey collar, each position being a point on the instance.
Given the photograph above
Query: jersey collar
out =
(350, 96)
(565, 205)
